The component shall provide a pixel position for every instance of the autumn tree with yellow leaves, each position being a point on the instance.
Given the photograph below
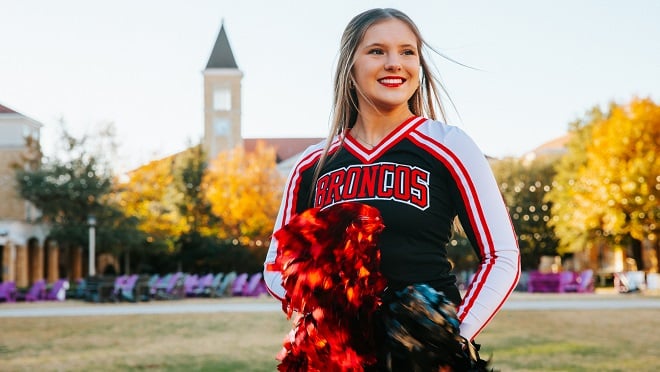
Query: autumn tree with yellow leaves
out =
(148, 193)
(608, 185)
(216, 218)
(244, 190)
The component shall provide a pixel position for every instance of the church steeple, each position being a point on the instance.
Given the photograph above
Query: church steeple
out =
(222, 99)
(222, 56)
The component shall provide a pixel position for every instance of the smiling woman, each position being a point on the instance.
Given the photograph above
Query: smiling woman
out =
(388, 152)
(385, 75)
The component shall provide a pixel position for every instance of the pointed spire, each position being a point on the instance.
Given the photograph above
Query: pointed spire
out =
(222, 56)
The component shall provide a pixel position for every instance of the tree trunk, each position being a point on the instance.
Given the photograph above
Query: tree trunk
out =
(636, 248)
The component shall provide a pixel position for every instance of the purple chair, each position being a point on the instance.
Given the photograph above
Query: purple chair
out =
(8, 291)
(583, 283)
(37, 291)
(252, 285)
(204, 285)
(160, 284)
(544, 282)
(190, 284)
(127, 288)
(239, 284)
(120, 281)
(58, 291)
(153, 284)
(172, 289)
(566, 280)
(262, 289)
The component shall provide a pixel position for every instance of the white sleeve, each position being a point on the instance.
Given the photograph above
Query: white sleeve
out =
(292, 195)
(486, 215)
(273, 278)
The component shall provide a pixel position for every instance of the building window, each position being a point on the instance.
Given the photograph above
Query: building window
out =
(221, 127)
(222, 99)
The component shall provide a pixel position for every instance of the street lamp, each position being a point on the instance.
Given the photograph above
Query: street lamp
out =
(91, 221)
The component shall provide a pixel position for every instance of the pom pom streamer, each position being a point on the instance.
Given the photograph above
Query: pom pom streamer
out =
(344, 319)
(423, 333)
(330, 269)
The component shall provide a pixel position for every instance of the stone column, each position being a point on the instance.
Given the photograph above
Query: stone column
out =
(8, 262)
(76, 264)
(36, 261)
(21, 266)
(53, 261)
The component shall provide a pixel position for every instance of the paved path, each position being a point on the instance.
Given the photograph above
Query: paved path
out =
(518, 301)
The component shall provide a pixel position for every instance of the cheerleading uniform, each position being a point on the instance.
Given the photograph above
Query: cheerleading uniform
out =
(422, 175)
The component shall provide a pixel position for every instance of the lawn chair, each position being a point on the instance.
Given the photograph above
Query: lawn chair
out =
(120, 281)
(252, 285)
(217, 280)
(204, 285)
(37, 292)
(567, 280)
(583, 283)
(239, 284)
(99, 288)
(153, 282)
(127, 289)
(160, 284)
(173, 289)
(58, 291)
(627, 282)
(190, 284)
(543, 282)
(225, 285)
(261, 289)
(8, 291)
(80, 288)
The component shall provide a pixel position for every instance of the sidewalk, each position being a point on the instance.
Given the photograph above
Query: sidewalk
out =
(190, 305)
(518, 301)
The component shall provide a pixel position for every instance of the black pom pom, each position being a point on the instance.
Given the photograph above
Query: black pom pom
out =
(423, 332)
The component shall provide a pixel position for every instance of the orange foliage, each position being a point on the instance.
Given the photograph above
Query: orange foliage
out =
(623, 170)
(150, 195)
(244, 190)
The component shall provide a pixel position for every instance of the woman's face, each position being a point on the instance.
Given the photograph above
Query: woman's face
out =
(386, 68)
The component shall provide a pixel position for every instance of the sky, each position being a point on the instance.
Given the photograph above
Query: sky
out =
(517, 72)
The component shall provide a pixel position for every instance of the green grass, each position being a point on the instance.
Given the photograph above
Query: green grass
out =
(594, 340)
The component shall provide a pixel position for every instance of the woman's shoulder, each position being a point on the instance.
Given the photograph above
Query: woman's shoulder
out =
(441, 131)
(314, 151)
(450, 138)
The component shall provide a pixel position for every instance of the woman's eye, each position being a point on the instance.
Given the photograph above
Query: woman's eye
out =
(376, 51)
(409, 52)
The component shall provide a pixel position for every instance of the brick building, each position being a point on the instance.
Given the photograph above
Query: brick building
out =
(24, 254)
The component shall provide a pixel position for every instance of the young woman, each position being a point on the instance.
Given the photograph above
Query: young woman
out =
(387, 150)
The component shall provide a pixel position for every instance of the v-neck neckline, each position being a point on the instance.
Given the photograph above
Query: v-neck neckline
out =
(368, 155)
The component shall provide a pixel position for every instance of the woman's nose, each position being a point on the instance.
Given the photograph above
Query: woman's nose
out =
(393, 64)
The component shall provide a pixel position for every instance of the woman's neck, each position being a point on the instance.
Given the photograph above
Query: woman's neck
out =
(371, 128)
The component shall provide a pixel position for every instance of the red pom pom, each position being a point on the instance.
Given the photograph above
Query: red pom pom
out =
(330, 270)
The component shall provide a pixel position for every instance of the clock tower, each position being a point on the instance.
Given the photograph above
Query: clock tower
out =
(222, 99)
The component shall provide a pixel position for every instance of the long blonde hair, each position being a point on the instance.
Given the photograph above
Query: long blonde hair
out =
(425, 101)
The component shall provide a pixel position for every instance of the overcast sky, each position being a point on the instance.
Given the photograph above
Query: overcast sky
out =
(536, 65)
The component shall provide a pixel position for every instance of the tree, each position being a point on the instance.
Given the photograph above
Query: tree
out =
(74, 184)
(524, 184)
(244, 190)
(149, 194)
(567, 194)
(623, 167)
(608, 184)
(199, 248)
(190, 170)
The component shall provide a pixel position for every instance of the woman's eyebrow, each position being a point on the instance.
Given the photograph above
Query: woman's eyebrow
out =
(378, 44)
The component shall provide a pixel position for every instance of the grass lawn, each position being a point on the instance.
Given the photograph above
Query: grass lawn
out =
(589, 340)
